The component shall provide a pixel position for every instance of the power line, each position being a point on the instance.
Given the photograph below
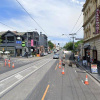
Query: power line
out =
(79, 25)
(76, 22)
(30, 15)
(6, 25)
(79, 29)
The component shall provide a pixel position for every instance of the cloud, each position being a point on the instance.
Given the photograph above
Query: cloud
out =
(78, 2)
(56, 17)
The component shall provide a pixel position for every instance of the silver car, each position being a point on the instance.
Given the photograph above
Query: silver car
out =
(56, 56)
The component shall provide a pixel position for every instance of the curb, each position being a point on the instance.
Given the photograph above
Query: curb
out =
(88, 73)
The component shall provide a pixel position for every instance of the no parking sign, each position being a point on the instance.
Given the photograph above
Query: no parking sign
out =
(94, 68)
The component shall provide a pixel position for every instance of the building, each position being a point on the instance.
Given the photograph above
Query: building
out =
(43, 41)
(91, 34)
(18, 43)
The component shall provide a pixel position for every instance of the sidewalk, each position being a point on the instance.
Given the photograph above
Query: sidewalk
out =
(88, 70)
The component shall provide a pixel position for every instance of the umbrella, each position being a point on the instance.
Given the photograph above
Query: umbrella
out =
(6, 52)
(1, 51)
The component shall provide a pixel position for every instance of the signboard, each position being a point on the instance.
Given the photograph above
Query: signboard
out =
(32, 43)
(18, 38)
(94, 68)
(78, 38)
(97, 21)
(18, 42)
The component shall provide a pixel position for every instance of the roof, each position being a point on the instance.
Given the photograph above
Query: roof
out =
(15, 32)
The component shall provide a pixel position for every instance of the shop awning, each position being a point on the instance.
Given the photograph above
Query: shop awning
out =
(86, 46)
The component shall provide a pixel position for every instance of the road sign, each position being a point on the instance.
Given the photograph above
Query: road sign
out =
(78, 38)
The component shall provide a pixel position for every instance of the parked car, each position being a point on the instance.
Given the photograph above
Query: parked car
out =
(49, 52)
(56, 56)
(45, 53)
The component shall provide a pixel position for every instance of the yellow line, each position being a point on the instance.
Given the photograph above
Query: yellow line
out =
(56, 67)
(45, 92)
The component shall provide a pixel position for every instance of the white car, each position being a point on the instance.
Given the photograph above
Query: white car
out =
(45, 53)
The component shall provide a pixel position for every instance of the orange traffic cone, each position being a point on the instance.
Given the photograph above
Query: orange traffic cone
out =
(63, 72)
(59, 65)
(13, 65)
(9, 63)
(86, 80)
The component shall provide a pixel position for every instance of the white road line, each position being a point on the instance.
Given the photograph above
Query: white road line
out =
(75, 71)
(18, 76)
(22, 79)
(82, 82)
(18, 72)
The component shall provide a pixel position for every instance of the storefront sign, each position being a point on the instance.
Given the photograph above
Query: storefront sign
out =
(97, 21)
(31, 42)
(18, 42)
(94, 68)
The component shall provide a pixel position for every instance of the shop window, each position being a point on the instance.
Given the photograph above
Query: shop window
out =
(10, 39)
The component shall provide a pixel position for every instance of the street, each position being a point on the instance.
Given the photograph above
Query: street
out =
(42, 80)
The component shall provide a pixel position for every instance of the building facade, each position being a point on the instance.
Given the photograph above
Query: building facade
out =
(91, 39)
(43, 41)
(18, 43)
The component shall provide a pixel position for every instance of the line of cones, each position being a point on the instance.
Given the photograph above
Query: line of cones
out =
(63, 72)
(9, 63)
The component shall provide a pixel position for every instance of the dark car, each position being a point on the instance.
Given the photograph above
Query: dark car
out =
(56, 56)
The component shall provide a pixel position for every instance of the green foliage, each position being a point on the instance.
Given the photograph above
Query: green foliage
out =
(51, 45)
(0, 40)
(69, 46)
(77, 43)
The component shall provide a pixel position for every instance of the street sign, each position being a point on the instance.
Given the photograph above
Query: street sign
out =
(94, 68)
(78, 38)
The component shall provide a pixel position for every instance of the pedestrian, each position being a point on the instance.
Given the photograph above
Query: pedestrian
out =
(88, 60)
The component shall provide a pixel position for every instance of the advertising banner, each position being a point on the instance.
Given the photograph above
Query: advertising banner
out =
(94, 68)
(32, 43)
(97, 21)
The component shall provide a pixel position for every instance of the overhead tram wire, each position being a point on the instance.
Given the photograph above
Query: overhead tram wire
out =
(79, 29)
(30, 16)
(6, 25)
(76, 22)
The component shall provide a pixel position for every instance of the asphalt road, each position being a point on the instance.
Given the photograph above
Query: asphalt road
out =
(19, 62)
(43, 80)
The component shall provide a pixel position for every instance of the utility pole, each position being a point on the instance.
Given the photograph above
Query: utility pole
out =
(73, 37)
(27, 46)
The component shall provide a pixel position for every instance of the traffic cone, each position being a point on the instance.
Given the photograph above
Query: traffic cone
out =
(5, 62)
(13, 65)
(59, 65)
(9, 63)
(86, 80)
(63, 72)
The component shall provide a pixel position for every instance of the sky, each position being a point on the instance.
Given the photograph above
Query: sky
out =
(56, 17)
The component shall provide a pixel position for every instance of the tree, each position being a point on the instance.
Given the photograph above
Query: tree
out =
(77, 43)
(51, 45)
(69, 46)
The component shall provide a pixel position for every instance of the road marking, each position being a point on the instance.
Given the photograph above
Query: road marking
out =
(22, 79)
(45, 92)
(82, 82)
(75, 71)
(18, 76)
(56, 66)
(20, 72)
